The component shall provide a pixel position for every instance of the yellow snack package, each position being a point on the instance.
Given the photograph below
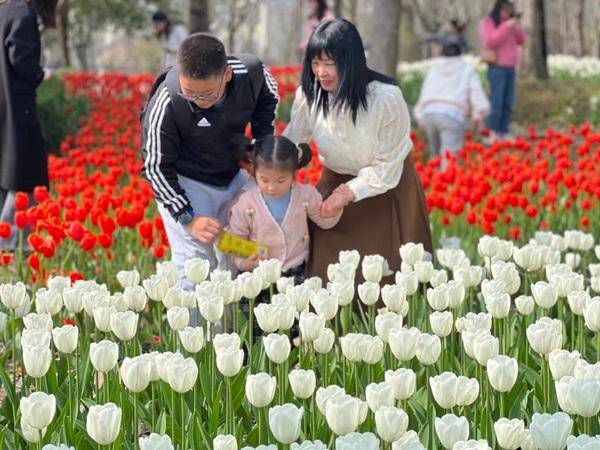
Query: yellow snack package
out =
(230, 243)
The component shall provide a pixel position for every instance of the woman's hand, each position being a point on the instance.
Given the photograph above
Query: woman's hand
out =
(337, 201)
(251, 262)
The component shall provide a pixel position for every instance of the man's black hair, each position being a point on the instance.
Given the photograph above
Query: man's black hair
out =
(202, 56)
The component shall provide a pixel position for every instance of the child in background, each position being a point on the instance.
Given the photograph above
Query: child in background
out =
(451, 95)
(275, 212)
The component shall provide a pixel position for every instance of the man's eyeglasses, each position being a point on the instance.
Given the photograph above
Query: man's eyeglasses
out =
(203, 98)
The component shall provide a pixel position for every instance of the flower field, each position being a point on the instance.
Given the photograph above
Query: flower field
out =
(495, 343)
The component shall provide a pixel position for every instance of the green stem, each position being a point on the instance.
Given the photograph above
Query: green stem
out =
(259, 414)
(135, 421)
(152, 407)
(250, 331)
(183, 437)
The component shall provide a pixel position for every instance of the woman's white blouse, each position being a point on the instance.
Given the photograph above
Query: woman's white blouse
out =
(373, 150)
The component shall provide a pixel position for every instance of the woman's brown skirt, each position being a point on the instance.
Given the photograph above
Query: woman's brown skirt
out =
(375, 225)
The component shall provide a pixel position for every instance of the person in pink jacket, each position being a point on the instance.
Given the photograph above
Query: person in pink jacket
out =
(502, 35)
(276, 211)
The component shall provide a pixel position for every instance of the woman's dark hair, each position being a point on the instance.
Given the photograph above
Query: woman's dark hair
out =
(321, 8)
(160, 16)
(500, 4)
(272, 151)
(339, 40)
(46, 9)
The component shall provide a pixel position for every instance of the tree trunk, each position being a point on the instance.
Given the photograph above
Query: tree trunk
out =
(380, 34)
(538, 49)
(63, 29)
(199, 16)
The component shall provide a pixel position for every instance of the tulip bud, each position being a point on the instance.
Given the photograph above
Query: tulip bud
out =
(223, 340)
(135, 373)
(260, 389)
(325, 341)
(37, 360)
(35, 321)
(252, 284)
(135, 297)
(311, 326)
(269, 270)
(441, 323)
(32, 435)
(545, 335)
(509, 433)
(192, 339)
(178, 317)
(299, 297)
(104, 355)
(128, 278)
(379, 394)
(404, 382)
(562, 363)
(424, 271)
(225, 442)
(544, 294)
(372, 347)
(343, 292)
(156, 442)
(303, 383)
(324, 304)
(66, 338)
(403, 343)
(498, 304)
(394, 297)
(124, 325)
(103, 423)
(591, 314)
(550, 431)
(363, 441)
(408, 441)
(429, 348)
(485, 347)
(412, 253)
(13, 295)
(48, 301)
(344, 413)
(386, 322)
(408, 281)
(102, 315)
(525, 304)
(285, 421)
(373, 268)
(196, 270)
(38, 409)
(451, 429)
(277, 347)
(212, 308)
(502, 372)
(368, 292)
(229, 361)
(391, 423)
(156, 286)
(182, 374)
(323, 396)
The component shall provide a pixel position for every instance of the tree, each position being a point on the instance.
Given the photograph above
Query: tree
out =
(199, 16)
(536, 51)
(380, 35)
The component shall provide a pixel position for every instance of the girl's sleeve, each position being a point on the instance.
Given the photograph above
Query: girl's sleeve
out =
(300, 127)
(480, 105)
(314, 199)
(521, 36)
(240, 225)
(392, 146)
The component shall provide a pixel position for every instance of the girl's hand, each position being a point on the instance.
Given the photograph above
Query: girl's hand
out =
(251, 262)
(336, 202)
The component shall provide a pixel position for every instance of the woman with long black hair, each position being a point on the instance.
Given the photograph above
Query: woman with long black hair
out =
(361, 125)
(169, 35)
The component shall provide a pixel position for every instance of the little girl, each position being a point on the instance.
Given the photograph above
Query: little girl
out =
(275, 212)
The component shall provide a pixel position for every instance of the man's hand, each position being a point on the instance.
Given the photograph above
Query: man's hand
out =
(205, 229)
(336, 202)
(251, 262)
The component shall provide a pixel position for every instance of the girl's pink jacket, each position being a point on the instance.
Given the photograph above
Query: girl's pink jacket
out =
(251, 219)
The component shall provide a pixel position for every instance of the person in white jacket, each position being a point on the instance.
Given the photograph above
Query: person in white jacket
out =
(451, 96)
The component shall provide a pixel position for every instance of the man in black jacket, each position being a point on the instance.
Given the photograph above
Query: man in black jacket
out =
(203, 104)
(23, 158)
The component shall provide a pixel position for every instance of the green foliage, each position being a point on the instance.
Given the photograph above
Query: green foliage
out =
(59, 112)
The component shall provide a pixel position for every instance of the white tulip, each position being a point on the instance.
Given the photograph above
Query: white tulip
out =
(192, 339)
(103, 423)
(379, 394)
(135, 373)
(404, 382)
(303, 383)
(156, 442)
(285, 422)
(128, 278)
(429, 348)
(373, 268)
(124, 325)
(35, 321)
(38, 409)
(391, 423)
(135, 297)
(509, 433)
(277, 347)
(324, 343)
(451, 429)
(525, 304)
(386, 322)
(65, 338)
(441, 323)
(260, 389)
